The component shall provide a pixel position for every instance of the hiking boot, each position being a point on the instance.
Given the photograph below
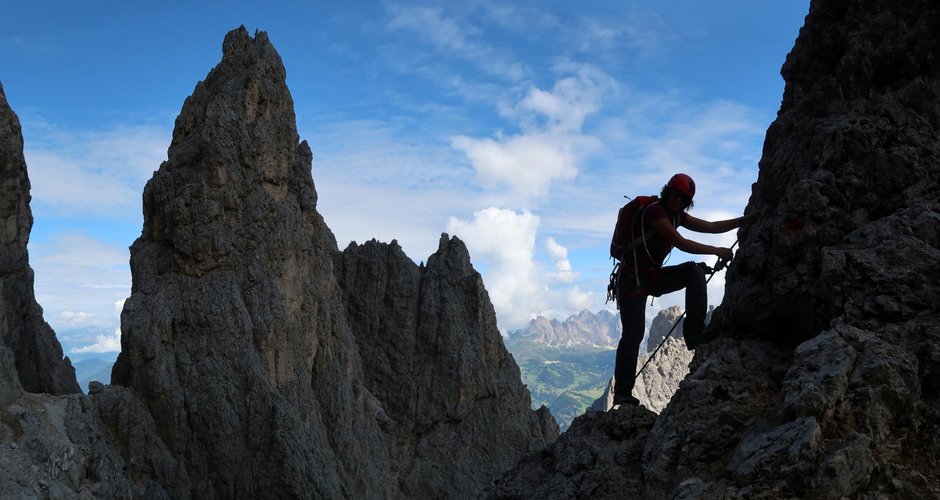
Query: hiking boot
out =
(694, 340)
(626, 400)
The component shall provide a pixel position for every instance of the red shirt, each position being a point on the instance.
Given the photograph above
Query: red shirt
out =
(657, 246)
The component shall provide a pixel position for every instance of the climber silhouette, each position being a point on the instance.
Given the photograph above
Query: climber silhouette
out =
(653, 234)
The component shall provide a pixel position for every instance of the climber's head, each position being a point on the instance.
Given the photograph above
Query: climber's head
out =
(682, 187)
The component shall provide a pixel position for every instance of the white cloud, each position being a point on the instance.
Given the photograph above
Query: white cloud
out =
(388, 181)
(79, 280)
(91, 172)
(640, 33)
(578, 300)
(506, 240)
(563, 272)
(566, 106)
(528, 164)
(458, 37)
(552, 145)
(519, 286)
(103, 343)
(557, 251)
(72, 319)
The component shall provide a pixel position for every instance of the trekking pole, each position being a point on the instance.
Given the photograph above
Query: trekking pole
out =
(718, 267)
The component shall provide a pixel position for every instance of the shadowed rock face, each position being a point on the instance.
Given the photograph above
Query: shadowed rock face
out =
(453, 409)
(855, 142)
(233, 334)
(37, 353)
(824, 382)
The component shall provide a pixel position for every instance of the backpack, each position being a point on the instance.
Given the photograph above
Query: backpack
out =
(622, 240)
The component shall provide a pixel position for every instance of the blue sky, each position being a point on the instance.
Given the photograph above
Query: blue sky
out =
(517, 126)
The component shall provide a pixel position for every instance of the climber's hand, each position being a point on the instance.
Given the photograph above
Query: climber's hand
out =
(724, 253)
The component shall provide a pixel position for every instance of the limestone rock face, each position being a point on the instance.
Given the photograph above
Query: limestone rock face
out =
(854, 144)
(663, 323)
(67, 445)
(661, 326)
(455, 414)
(600, 456)
(824, 381)
(659, 381)
(233, 333)
(74, 446)
(37, 353)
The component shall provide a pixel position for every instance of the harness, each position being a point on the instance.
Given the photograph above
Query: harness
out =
(632, 247)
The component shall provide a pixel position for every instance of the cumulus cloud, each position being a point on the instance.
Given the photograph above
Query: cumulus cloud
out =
(506, 241)
(551, 146)
(519, 285)
(559, 254)
(577, 299)
(103, 343)
(564, 108)
(528, 164)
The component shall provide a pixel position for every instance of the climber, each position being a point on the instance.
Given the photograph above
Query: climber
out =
(641, 274)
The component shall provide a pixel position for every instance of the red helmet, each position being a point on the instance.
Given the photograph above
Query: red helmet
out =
(683, 184)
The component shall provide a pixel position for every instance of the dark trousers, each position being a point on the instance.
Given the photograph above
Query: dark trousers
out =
(690, 276)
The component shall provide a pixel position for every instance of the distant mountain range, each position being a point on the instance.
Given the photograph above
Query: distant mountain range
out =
(601, 329)
(567, 364)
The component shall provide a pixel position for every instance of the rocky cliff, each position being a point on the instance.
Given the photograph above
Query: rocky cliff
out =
(31, 342)
(259, 360)
(824, 382)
